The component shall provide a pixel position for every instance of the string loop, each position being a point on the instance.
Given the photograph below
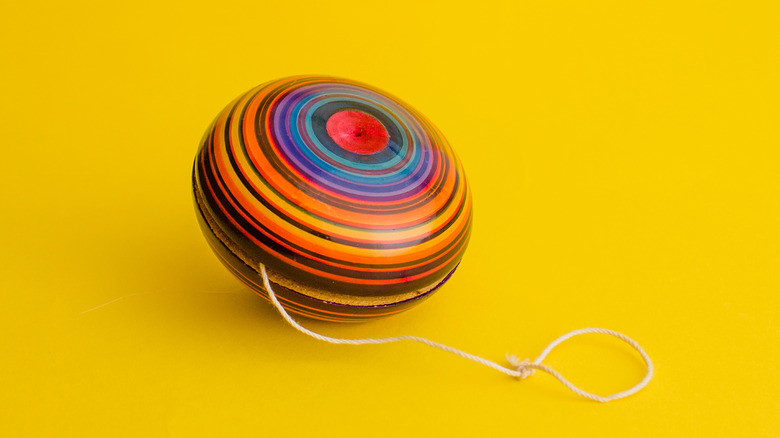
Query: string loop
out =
(521, 369)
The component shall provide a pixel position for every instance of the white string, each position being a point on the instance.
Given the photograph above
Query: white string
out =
(522, 368)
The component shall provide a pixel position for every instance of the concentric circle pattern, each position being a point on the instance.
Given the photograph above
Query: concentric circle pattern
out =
(335, 186)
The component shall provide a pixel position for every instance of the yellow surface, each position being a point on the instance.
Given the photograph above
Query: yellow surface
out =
(624, 163)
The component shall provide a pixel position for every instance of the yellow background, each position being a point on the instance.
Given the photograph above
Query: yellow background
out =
(624, 165)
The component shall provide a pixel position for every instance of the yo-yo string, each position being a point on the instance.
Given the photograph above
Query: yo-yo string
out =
(521, 368)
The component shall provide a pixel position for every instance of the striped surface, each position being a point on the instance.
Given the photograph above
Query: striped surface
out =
(335, 186)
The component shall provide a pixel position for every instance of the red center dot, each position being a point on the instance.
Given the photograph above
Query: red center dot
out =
(357, 132)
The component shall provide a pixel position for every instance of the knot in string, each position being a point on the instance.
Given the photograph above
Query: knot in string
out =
(522, 368)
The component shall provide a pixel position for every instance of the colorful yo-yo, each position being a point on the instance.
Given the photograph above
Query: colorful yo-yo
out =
(354, 202)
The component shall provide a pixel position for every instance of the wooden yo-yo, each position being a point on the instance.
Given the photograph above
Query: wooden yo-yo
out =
(355, 203)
